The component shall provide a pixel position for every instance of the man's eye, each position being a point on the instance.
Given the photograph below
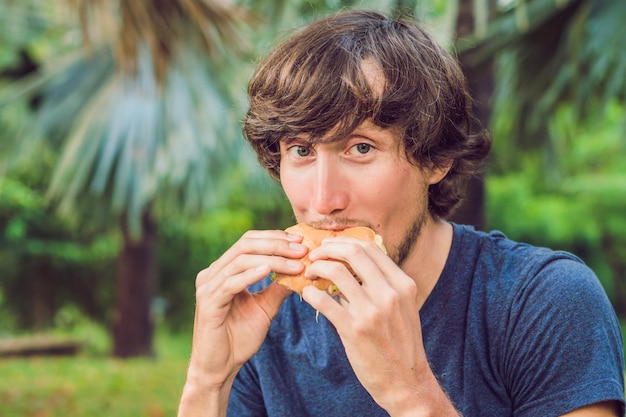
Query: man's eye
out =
(301, 150)
(362, 148)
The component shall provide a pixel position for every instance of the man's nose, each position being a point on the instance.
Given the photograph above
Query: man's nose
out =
(331, 189)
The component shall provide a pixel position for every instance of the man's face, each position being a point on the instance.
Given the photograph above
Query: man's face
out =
(363, 179)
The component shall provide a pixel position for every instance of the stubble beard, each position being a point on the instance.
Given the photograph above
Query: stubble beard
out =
(408, 241)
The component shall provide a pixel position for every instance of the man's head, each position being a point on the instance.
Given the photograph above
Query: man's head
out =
(319, 83)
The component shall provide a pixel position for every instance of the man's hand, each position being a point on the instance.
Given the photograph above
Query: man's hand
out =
(379, 325)
(231, 323)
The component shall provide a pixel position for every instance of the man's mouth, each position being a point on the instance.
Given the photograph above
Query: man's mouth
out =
(337, 225)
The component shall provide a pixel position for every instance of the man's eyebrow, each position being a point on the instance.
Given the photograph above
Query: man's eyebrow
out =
(287, 140)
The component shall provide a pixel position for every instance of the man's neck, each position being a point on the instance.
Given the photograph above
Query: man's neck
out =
(429, 255)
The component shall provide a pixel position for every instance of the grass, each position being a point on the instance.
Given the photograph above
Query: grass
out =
(87, 385)
(93, 384)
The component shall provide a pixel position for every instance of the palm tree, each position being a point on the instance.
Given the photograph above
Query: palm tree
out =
(548, 53)
(143, 118)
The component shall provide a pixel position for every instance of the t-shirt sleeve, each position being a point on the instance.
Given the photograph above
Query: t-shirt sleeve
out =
(562, 347)
(246, 399)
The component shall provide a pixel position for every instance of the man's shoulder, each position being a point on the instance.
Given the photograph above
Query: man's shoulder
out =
(494, 250)
(503, 271)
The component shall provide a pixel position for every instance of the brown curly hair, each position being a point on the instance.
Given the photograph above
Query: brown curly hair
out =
(314, 83)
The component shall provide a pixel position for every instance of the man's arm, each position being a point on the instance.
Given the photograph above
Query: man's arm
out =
(603, 409)
(379, 326)
(196, 401)
(230, 323)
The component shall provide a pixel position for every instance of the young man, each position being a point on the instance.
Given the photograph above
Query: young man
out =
(365, 121)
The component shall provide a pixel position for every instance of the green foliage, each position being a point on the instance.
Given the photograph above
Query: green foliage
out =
(46, 260)
(580, 206)
(74, 271)
(30, 229)
(570, 56)
(189, 245)
(92, 386)
(70, 322)
(552, 183)
(543, 218)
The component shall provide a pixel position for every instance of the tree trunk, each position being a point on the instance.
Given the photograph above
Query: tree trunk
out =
(42, 293)
(615, 251)
(136, 281)
(481, 86)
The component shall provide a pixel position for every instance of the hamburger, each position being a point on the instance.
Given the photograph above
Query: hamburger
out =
(312, 238)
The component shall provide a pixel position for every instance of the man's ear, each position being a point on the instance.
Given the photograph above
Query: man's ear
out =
(437, 173)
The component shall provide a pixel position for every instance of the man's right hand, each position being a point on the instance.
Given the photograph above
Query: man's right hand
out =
(231, 323)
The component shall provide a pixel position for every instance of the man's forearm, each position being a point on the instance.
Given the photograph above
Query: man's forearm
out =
(428, 399)
(199, 401)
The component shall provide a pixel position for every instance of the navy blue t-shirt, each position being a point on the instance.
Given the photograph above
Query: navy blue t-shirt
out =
(509, 330)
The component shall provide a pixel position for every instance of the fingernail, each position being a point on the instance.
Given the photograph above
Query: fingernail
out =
(261, 267)
(293, 236)
(294, 264)
(296, 246)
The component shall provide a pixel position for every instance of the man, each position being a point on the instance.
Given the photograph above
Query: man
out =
(365, 121)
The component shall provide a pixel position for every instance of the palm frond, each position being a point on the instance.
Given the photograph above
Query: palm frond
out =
(144, 114)
(505, 29)
(162, 26)
(602, 60)
(574, 57)
(129, 140)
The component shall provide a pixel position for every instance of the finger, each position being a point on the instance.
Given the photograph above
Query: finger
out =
(371, 247)
(277, 264)
(268, 242)
(221, 293)
(382, 280)
(354, 253)
(244, 271)
(338, 273)
(251, 252)
(325, 304)
(365, 258)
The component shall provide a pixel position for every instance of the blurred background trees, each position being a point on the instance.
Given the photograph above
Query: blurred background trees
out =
(123, 173)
